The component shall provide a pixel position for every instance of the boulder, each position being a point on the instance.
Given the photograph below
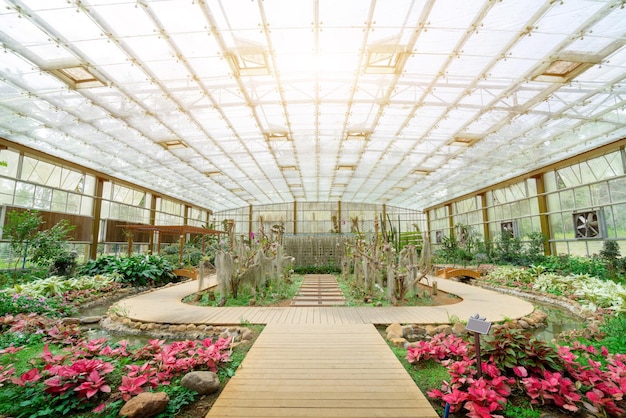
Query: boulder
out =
(443, 329)
(398, 342)
(145, 405)
(394, 331)
(430, 330)
(203, 382)
(459, 329)
(90, 319)
(247, 335)
(70, 321)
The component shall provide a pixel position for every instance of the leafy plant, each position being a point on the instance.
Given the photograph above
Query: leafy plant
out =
(21, 227)
(137, 270)
(50, 244)
(567, 377)
(54, 306)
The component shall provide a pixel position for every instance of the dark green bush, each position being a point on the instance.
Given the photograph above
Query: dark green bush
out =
(54, 306)
(136, 270)
(317, 269)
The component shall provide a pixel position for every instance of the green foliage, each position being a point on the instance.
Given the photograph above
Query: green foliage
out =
(106, 264)
(569, 264)
(513, 347)
(140, 270)
(521, 411)
(616, 266)
(50, 244)
(592, 293)
(179, 397)
(21, 227)
(19, 402)
(275, 291)
(54, 306)
(136, 270)
(41, 247)
(614, 329)
(317, 269)
(192, 254)
(64, 264)
(508, 249)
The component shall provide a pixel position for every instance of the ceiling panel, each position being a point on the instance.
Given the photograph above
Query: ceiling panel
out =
(314, 99)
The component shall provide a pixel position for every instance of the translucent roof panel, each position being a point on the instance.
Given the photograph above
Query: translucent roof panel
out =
(224, 103)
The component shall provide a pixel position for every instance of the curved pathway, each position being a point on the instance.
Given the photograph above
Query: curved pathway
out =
(165, 306)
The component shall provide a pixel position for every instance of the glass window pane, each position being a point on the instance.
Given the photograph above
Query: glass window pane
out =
(556, 226)
(617, 188)
(582, 197)
(10, 163)
(59, 201)
(86, 205)
(24, 194)
(7, 188)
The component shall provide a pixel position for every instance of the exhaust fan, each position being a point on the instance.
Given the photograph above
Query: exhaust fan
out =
(589, 224)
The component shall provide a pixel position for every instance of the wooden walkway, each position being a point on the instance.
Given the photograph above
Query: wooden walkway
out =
(321, 361)
(319, 290)
(321, 371)
(165, 306)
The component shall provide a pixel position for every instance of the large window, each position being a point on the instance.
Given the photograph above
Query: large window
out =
(587, 204)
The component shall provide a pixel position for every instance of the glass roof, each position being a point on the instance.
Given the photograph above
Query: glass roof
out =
(227, 103)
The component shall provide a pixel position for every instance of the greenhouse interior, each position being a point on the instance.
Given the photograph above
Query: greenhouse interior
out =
(345, 132)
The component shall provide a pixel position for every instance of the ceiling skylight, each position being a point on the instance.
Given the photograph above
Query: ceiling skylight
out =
(77, 77)
(279, 100)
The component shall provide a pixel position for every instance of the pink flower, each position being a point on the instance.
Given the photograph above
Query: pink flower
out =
(520, 371)
(132, 386)
(28, 377)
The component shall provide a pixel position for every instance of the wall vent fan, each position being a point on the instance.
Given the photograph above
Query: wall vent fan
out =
(589, 224)
(509, 228)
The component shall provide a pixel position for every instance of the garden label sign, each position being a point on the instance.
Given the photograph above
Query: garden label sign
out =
(478, 325)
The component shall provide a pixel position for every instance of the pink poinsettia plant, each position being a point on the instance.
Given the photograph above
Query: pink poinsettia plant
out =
(566, 377)
(83, 369)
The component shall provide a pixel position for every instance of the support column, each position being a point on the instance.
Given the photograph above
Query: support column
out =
(450, 219)
(97, 215)
(544, 222)
(295, 217)
(339, 216)
(250, 221)
(485, 214)
(153, 200)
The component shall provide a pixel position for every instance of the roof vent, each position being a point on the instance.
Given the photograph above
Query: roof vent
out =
(386, 57)
(173, 144)
(563, 70)
(77, 76)
(248, 58)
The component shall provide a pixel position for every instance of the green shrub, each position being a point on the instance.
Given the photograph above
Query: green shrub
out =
(136, 270)
(54, 306)
(105, 264)
(142, 270)
(329, 268)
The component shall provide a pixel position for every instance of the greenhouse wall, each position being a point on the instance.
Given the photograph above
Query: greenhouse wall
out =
(585, 205)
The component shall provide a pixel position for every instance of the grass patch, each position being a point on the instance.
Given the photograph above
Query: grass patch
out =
(272, 294)
(427, 375)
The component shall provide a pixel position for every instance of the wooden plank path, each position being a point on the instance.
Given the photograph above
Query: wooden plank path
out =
(165, 306)
(319, 290)
(321, 361)
(321, 370)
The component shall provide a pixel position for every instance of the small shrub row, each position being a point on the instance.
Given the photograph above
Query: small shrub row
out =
(329, 268)
(136, 270)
